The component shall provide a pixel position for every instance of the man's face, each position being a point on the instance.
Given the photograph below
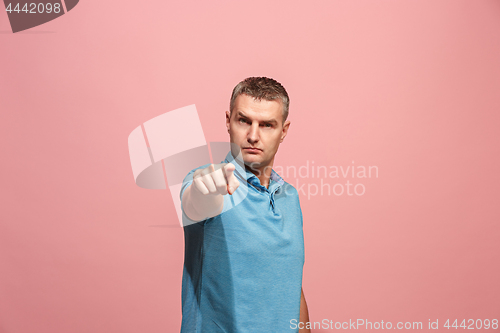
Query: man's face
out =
(257, 128)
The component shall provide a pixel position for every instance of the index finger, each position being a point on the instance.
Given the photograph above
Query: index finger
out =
(232, 181)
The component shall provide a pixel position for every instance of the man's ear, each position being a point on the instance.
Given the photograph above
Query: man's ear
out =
(228, 121)
(285, 130)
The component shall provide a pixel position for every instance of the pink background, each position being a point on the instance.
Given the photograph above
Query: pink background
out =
(409, 86)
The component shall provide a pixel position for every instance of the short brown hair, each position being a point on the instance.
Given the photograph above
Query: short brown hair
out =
(261, 88)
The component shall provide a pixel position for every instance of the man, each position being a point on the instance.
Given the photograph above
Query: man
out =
(244, 247)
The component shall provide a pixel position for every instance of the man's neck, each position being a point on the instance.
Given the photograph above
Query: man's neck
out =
(263, 174)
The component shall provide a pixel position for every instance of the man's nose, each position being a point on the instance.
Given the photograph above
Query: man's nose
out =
(253, 134)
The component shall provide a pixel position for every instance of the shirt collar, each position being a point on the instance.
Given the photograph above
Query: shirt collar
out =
(244, 173)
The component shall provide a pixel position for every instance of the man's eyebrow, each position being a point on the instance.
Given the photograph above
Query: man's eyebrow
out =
(270, 121)
(242, 114)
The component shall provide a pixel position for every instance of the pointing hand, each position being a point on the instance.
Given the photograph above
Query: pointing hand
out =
(216, 179)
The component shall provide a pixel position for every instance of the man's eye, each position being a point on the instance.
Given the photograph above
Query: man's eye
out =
(267, 125)
(242, 120)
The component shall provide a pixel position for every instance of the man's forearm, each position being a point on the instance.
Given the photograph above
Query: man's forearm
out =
(199, 207)
(304, 313)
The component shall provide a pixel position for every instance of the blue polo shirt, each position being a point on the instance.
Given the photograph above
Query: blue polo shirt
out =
(243, 267)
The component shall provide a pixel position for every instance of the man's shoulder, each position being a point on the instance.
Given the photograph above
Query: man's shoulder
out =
(289, 189)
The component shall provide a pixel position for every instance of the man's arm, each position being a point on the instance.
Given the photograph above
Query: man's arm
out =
(304, 313)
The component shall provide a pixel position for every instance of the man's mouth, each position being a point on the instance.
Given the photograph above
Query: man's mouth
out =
(252, 149)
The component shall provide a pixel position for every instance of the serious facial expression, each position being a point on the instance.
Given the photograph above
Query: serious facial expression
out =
(257, 128)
